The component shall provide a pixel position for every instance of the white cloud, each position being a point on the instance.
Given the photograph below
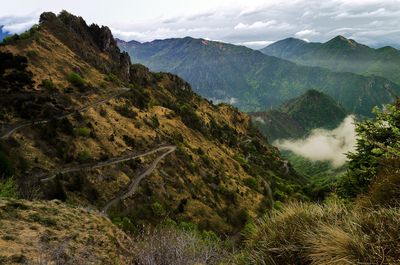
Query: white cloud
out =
(306, 33)
(256, 44)
(255, 25)
(325, 145)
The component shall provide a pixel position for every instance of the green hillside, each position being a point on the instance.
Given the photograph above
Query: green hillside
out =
(253, 81)
(341, 55)
(297, 117)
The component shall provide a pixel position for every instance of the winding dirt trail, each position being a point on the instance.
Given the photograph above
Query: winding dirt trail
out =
(7, 132)
(134, 183)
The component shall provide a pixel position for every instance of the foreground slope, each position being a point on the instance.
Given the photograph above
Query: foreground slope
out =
(341, 55)
(252, 80)
(41, 232)
(81, 124)
(297, 117)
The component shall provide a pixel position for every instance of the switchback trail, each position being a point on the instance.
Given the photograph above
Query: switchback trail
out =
(134, 183)
(112, 161)
(15, 127)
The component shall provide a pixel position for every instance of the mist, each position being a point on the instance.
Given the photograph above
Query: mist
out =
(325, 145)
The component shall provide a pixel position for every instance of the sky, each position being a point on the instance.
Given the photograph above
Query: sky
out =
(253, 23)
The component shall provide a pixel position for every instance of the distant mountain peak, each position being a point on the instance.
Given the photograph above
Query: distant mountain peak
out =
(341, 40)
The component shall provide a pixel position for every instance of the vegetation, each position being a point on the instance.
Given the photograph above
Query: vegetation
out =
(257, 80)
(378, 143)
(8, 188)
(304, 233)
(76, 80)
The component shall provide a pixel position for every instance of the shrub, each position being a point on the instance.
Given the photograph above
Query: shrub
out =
(155, 123)
(82, 131)
(8, 188)
(84, 156)
(252, 183)
(169, 245)
(158, 209)
(126, 111)
(76, 80)
(48, 84)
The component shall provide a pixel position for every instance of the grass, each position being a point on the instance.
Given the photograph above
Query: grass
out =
(331, 234)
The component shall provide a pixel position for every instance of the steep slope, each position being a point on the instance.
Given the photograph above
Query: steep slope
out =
(81, 124)
(297, 117)
(251, 80)
(341, 55)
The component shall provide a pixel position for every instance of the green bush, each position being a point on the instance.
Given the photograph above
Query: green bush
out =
(82, 131)
(252, 183)
(48, 84)
(76, 80)
(158, 209)
(8, 188)
(155, 123)
(84, 156)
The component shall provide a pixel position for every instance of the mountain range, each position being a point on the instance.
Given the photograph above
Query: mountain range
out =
(254, 81)
(341, 55)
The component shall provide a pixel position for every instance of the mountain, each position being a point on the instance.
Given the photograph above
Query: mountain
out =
(297, 117)
(3, 33)
(81, 124)
(341, 55)
(251, 80)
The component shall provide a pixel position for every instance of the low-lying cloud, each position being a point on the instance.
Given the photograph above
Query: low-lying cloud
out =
(325, 145)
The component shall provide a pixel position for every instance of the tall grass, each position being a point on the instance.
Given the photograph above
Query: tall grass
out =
(332, 234)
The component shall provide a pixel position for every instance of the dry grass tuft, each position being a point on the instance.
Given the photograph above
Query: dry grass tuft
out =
(333, 234)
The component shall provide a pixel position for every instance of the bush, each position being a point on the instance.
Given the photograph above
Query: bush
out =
(8, 188)
(126, 111)
(252, 183)
(84, 156)
(48, 84)
(158, 209)
(76, 80)
(82, 131)
(169, 245)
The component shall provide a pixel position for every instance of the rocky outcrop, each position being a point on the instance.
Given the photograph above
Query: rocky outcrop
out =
(77, 35)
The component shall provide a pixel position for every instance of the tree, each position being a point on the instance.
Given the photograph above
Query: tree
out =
(378, 139)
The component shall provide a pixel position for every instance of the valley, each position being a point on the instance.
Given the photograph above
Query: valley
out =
(190, 151)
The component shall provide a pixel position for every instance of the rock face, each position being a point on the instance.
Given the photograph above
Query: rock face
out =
(77, 35)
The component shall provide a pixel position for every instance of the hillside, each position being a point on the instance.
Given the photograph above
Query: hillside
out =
(41, 232)
(253, 81)
(297, 117)
(341, 55)
(82, 125)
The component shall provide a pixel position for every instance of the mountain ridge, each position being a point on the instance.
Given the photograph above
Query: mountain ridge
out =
(299, 116)
(341, 55)
(254, 81)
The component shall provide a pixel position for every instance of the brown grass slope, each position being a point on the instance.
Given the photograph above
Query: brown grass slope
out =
(49, 232)
(219, 175)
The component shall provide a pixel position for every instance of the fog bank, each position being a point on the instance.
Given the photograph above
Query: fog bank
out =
(325, 145)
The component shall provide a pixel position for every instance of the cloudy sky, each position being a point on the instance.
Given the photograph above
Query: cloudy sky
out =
(254, 23)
